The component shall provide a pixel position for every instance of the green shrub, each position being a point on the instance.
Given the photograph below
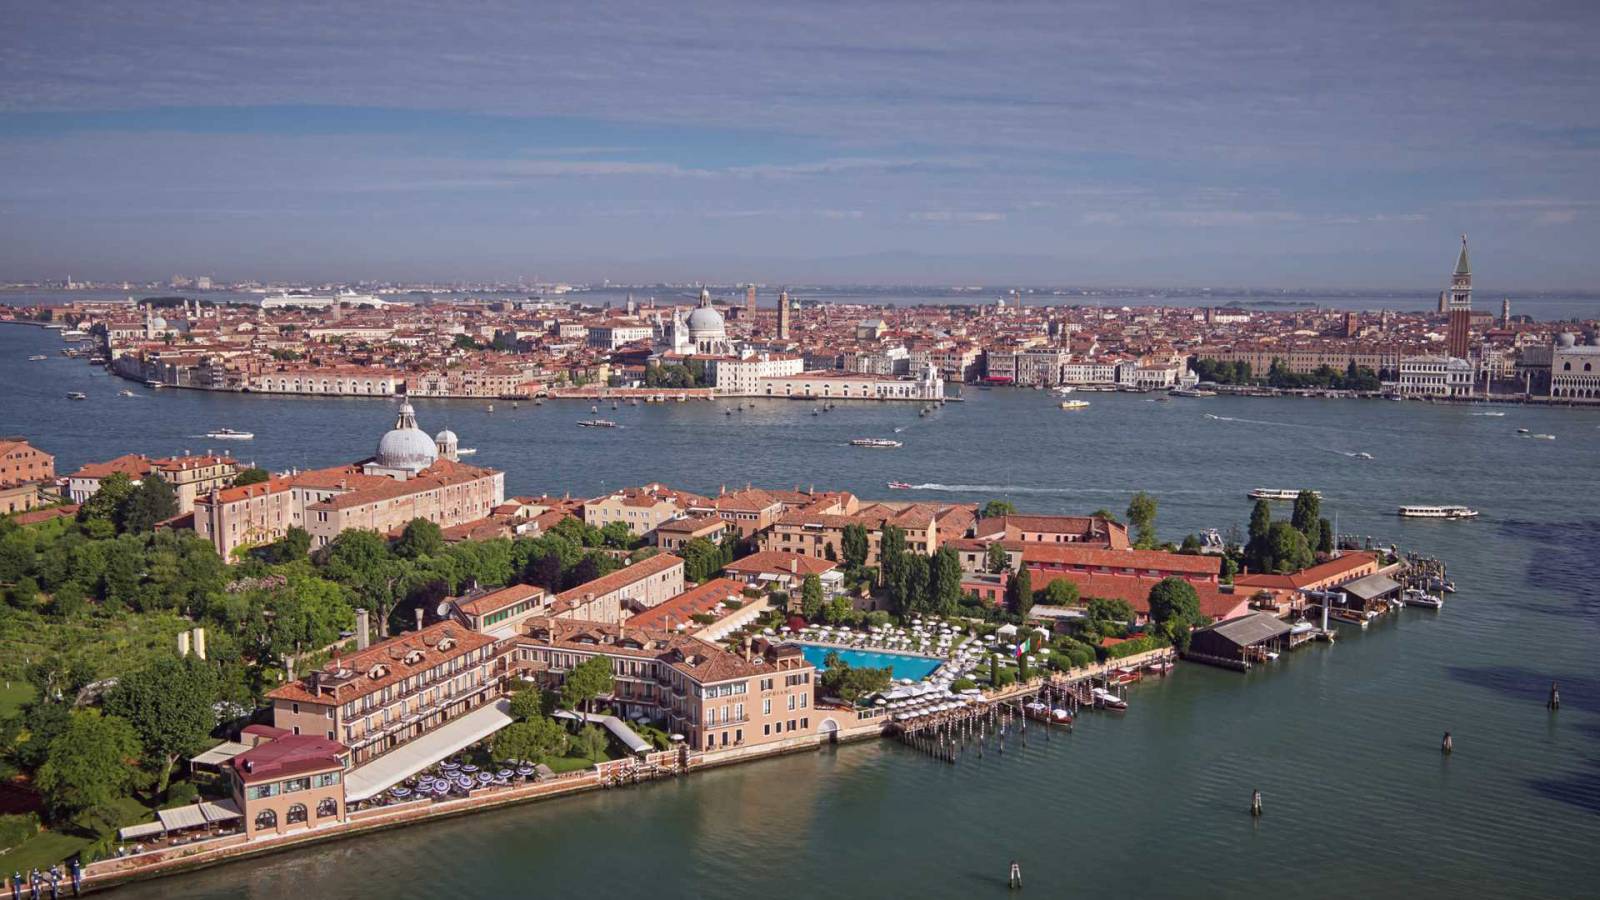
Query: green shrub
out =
(1006, 676)
(1136, 646)
(963, 684)
(703, 618)
(733, 604)
(180, 793)
(16, 829)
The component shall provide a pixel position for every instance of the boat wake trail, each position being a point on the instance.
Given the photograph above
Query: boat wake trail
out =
(1260, 422)
(1023, 489)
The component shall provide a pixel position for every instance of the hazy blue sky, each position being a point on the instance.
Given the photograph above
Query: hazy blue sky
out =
(1327, 143)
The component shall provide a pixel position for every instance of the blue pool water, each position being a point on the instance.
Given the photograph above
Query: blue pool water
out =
(915, 668)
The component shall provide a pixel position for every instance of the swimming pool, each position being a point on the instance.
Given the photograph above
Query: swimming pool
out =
(900, 665)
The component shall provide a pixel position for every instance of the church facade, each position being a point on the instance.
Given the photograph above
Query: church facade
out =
(412, 476)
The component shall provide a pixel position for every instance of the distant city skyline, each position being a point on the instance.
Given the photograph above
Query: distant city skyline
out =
(1300, 145)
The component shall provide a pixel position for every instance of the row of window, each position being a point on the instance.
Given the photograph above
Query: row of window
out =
(295, 814)
(292, 786)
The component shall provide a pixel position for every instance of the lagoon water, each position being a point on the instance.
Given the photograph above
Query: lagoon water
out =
(1342, 740)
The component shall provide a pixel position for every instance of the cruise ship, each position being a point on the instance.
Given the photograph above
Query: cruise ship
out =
(1438, 512)
(1279, 494)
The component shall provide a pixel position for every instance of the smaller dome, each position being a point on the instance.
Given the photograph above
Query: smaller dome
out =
(1567, 339)
(445, 437)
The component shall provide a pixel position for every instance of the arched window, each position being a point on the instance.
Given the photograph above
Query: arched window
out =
(328, 807)
(1566, 367)
(297, 814)
(266, 819)
(1588, 367)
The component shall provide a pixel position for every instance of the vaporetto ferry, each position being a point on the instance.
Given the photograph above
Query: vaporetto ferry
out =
(1438, 512)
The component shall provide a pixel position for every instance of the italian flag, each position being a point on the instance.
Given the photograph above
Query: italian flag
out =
(1023, 647)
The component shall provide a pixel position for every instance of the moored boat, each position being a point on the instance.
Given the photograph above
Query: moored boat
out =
(1074, 404)
(77, 395)
(1107, 700)
(876, 443)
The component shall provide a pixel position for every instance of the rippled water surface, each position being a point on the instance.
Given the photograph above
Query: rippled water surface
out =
(1342, 740)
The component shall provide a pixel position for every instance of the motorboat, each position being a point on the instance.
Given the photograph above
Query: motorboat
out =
(1415, 597)
(1191, 392)
(1161, 666)
(39, 356)
(1363, 455)
(1064, 389)
(1122, 676)
(1280, 494)
(899, 486)
(1495, 413)
(1540, 437)
(154, 385)
(876, 443)
(1107, 700)
(1074, 404)
(228, 434)
(597, 423)
(1061, 716)
(1437, 512)
(77, 395)
(124, 393)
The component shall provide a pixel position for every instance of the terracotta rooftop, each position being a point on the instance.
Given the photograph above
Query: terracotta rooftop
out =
(681, 609)
(621, 578)
(286, 756)
(1143, 560)
(483, 604)
(776, 561)
(382, 664)
(1347, 564)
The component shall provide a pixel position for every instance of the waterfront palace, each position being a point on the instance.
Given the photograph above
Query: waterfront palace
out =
(412, 476)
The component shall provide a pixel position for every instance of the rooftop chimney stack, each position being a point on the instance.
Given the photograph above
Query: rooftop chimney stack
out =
(420, 613)
(363, 628)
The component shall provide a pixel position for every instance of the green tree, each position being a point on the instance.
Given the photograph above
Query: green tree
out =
(251, 476)
(1059, 592)
(91, 763)
(1175, 608)
(295, 544)
(854, 546)
(838, 610)
(1190, 545)
(996, 559)
(1106, 514)
(1142, 516)
(420, 538)
(590, 742)
(1307, 514)
(526, 703)
(1108, 617)
(892, 558)
(1255, 549)
(913, 595)
(994, 509)
(168, 703)
(360, 560)
(1019, 593)
(1286, 549)
(535, 740)
(944, 581)
(702, 560)
(152, 502)
(617, 536)
(1325, 537)
(586, 681)
(811, 598)
(104, 504)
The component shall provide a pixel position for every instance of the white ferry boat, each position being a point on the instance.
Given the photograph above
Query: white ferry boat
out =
(597, 423)
(228, 434)
(1438, 512)
(38, 356)
(1279, 494)
(1074, 404)
(1191, 392)
(876, 443)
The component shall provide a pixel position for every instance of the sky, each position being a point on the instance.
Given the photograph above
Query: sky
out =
(1273, 144)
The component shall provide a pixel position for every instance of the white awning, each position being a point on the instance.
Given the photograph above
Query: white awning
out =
(197, 815)
(401, 763)
(219, 754)
(137, 832)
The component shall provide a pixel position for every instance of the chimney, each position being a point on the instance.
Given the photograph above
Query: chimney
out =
(420, 613)
(363, 628)
(200, 642)
(183, 643)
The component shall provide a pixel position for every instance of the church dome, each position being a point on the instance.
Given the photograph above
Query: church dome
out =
(445, 437)
(706, 320)
(406, 446)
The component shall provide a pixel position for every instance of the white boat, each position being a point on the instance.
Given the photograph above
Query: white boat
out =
(1191, 392)
(1414, 597)
(124, 393)
(1279, 494)
(77, 395)
(1540, 437)
(1074, 404)
(38, 356)
(1106, 699)
(1437, 512)
(1495, 413)
(1064, 389)
(228, 434)
(899, 486)
(466, 451)
(74, 335)
(876, 443)
(597, 423)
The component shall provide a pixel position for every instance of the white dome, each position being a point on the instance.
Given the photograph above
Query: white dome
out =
(406, 446)
(445, 437)
(707, 320)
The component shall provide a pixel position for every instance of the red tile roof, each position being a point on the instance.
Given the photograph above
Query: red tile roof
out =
(1333, 569)
(350, 677)
(769, 562)
(1135, 590)
(1038, 554)
(621, 578)
(287, 756)
(682, 608)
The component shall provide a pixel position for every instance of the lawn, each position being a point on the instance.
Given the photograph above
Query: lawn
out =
(42, 850)
(12, 696)
(564, 764)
